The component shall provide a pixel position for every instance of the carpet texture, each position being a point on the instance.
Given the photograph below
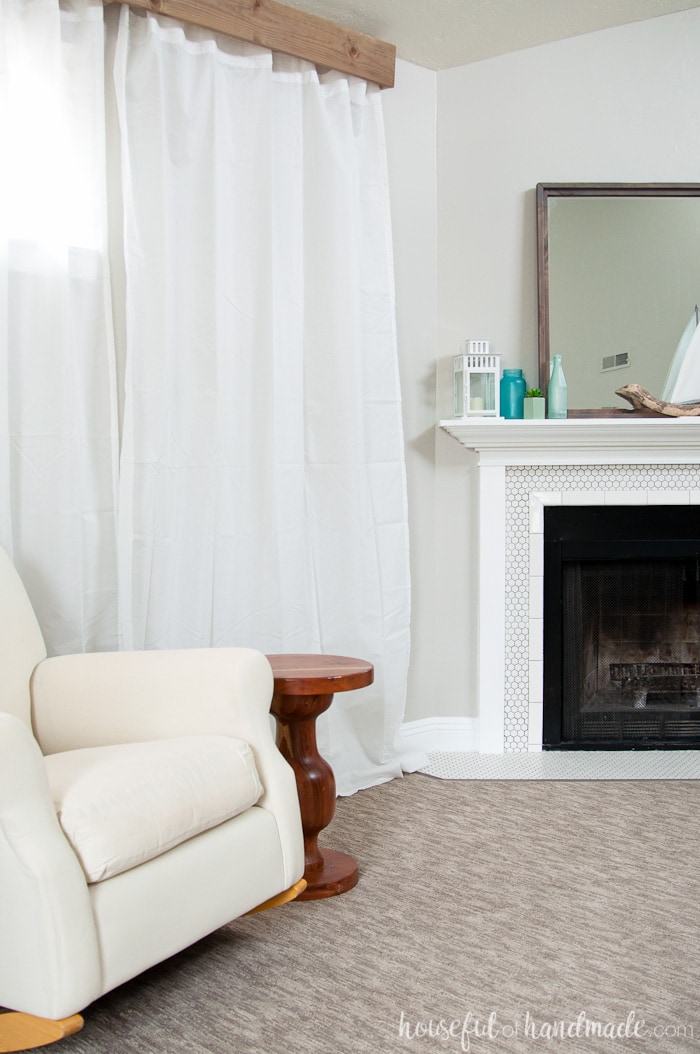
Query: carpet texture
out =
(546, 906)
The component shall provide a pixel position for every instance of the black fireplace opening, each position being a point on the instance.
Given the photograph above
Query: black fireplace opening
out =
(621, 627)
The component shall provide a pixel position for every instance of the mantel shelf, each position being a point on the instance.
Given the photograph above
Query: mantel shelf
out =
(580, 441)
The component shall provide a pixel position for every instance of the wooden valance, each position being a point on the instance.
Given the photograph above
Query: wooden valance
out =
(281, 28)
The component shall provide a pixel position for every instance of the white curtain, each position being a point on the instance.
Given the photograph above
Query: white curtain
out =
(260, 481)
(58, 426)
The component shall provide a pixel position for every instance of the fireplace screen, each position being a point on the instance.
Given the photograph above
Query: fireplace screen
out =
(622, 638)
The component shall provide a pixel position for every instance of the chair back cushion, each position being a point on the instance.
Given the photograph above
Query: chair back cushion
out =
(21, 643)
(122, 805)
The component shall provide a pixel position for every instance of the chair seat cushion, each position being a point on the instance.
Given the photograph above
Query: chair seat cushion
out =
(122, 805)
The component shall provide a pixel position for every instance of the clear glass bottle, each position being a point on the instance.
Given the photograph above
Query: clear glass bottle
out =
(556, 393)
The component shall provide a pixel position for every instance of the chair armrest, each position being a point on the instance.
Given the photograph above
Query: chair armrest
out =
(50, 965)
(124, 697)
(104, 698)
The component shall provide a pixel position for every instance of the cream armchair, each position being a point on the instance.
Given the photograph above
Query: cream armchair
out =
(143, 804)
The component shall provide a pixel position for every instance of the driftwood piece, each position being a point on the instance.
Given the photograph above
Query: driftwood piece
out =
(641, 399)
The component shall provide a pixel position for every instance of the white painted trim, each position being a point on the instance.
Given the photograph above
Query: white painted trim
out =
(492, 589)
(580, 441)
(444, 734)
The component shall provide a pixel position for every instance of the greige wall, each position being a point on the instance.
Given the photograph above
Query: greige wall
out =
(466, 149)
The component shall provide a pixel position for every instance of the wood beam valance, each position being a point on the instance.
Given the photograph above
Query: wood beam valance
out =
(281, 28)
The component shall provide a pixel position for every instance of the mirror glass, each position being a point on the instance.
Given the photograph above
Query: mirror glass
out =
(618, 287)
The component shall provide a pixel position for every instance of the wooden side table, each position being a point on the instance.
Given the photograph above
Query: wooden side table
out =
(304, 688)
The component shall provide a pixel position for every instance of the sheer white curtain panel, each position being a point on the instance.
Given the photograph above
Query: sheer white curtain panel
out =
(262, 493)
(58, 429)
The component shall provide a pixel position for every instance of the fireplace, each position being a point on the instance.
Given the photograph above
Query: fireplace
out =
(516, 471)
(621, 628)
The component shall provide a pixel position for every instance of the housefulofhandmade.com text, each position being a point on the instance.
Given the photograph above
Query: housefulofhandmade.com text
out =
(470, 1029)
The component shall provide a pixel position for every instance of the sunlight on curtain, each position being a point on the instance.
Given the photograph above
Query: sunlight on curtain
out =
(262, 494)
(58, 438)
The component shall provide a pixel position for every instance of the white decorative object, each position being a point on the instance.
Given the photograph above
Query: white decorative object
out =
(476, 381)
(683, 380)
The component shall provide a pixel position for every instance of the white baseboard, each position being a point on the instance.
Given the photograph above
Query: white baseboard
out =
(450, 734)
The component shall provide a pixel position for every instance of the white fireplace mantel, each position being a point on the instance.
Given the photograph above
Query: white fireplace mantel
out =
(580, 441)
(635, 461)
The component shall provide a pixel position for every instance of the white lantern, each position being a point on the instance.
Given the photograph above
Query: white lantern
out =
(476, 381)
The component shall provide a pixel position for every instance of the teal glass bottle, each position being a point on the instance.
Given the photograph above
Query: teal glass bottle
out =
(556, 393)
(512, 393)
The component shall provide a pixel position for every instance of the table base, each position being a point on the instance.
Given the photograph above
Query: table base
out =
(338, 874)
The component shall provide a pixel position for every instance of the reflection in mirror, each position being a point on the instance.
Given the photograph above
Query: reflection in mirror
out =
(618, 286)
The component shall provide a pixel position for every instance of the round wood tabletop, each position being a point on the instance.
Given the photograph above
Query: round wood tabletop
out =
(311, 674)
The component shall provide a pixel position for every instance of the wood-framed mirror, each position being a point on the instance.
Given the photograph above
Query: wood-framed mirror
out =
(618, 273)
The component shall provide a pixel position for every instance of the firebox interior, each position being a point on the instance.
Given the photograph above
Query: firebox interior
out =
(621, 627)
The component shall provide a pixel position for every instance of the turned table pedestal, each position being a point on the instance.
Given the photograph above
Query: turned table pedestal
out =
(304, 688)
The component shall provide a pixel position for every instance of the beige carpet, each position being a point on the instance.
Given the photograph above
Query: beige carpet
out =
(545, 904)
